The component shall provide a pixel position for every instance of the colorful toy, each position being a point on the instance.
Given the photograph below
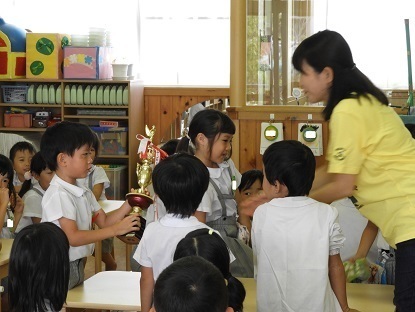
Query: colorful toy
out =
(12, 51)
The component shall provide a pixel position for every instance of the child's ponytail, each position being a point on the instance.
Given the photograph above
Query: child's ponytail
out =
(237, 293)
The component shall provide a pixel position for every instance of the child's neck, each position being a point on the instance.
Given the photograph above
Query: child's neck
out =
(206, 161)
(65, 177)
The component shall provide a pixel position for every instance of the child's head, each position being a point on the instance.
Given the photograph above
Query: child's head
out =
(6, 174)
(39, 268)
(65, 138)
(328, 72)
(190, 284)
(180, 181)
(170, 146)
(40, 171)
(289, 164)
(251, 184)
(95, 147)
(21, 155)
(210, 131)
(209, 245)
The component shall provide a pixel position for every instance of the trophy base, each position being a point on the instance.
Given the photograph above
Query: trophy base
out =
(133, 238)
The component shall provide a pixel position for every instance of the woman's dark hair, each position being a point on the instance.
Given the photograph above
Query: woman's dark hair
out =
(207, 244)
(292, 164)
(211, 123)
(39, 268)
(249, 177)
(180, 181)
(329, 49)
(64, 137)
(20, 147)
(6, 169)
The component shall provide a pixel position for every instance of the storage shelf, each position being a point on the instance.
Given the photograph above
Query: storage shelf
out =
(7, 129)
(96, 117)
(132, 115)
(31, 105)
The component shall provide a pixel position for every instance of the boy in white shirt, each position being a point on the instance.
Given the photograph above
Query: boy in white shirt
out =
(296, 240)
(180, 181)
(66, 149)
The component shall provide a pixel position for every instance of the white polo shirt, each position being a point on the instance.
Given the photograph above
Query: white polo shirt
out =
(75, 202)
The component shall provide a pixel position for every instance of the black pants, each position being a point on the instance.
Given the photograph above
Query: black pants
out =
(405, 276)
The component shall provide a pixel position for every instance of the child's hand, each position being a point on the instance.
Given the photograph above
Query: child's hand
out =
(4, 196)
(19, 205)
(250, 204)
(129, 224)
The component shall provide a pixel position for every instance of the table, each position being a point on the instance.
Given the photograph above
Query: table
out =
(362, 297)
(108, 206)
(109, 290)
(4, 258)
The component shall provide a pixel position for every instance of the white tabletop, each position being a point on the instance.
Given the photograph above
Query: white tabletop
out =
(109, 290)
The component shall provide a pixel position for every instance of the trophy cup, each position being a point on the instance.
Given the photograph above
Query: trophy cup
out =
(149, 155)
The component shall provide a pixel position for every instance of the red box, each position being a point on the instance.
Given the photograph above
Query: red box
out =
(18, 120)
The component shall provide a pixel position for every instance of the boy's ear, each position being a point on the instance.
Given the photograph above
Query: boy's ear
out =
(280, 189)
(61, 159)
(229, 309)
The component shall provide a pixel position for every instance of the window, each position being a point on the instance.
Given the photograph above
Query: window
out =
(375, 31)
(182, 42)
(185, 42)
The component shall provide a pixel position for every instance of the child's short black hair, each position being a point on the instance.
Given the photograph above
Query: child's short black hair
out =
(39, 268)
(249, 177)
(21, 146)
(95, 144)
(190, 284)
(292, 164)
(180, 181)
(209, 245)
(411, 129)
(170, 146)
(64, 137)
(38, 164)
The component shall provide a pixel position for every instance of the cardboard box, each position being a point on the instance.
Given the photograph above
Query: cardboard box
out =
(44, 55)
(12, 59)
(87, 63)
(18, 120)
(113, 141)
(117, 174)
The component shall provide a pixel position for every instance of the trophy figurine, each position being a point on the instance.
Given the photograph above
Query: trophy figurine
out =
(149, 155)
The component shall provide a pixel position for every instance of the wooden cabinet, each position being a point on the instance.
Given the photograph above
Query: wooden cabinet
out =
(129, 113)
(248, 119)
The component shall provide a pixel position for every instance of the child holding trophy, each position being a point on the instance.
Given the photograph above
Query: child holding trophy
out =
(66, 147)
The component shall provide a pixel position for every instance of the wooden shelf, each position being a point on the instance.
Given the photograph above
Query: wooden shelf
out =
(133, 119)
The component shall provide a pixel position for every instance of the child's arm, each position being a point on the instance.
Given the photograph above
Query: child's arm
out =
(338, 280)
(97, 190)
(248, 206)
(18, 212)
(4, 201)
(146, 288)
(368, 237)
(103, 220)
(78, 237)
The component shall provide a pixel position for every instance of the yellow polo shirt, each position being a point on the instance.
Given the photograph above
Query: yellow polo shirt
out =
(369, 139)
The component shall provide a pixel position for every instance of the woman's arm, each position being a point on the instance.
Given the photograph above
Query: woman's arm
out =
(368, 237)
(336, 186)
(146, 288)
